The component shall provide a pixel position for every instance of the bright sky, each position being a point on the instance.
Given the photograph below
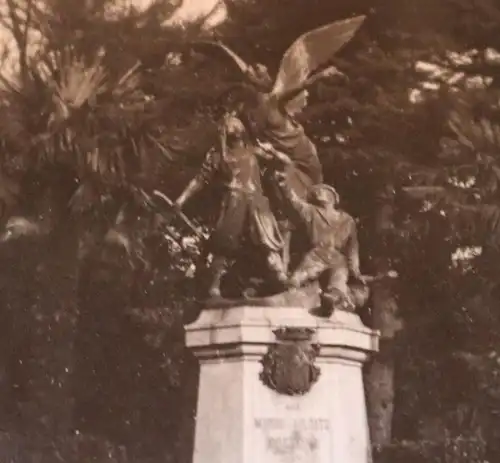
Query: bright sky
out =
(193, 9)
(189, 10)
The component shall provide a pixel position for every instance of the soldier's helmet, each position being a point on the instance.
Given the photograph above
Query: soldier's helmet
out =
(324, 194)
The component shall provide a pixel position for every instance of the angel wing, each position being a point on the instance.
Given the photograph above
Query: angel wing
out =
(244, 67)
(311, 50)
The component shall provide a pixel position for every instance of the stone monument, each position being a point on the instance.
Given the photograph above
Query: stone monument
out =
(281, 374)
(281, 360)
(279, 385)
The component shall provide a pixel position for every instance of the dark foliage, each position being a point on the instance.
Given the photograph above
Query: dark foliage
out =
(95, 345)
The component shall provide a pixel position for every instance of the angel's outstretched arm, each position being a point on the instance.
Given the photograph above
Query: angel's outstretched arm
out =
(292, 93)
(214, 47)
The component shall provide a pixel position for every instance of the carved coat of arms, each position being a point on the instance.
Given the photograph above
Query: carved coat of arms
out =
(288, 366)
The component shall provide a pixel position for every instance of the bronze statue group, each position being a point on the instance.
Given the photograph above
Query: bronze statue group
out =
(273, 180)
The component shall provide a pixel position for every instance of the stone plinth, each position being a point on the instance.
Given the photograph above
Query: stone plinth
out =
(241, 420)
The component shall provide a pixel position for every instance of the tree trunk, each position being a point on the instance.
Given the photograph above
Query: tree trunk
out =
(380, 371)
(38, 293)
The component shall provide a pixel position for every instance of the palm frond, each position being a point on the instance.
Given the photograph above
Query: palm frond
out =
(73, 109)
(79, 83)
(473, 119)
(475, 134)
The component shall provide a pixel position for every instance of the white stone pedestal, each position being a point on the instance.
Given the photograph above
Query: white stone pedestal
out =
(240, 420)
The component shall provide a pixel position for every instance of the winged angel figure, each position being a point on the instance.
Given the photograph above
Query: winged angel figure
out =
(269, 109)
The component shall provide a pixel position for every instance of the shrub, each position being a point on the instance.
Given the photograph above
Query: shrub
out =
(451, 450)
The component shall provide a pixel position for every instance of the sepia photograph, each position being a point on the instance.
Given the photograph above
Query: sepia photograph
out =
(250, 231)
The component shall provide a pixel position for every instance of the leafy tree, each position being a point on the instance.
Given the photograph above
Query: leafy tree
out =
(81, 134)
(457, 188)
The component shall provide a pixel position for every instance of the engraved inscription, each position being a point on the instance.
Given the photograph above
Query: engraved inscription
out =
(295, 440)
(311, 424)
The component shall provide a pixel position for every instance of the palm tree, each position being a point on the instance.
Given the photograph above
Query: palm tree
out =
(81, 140)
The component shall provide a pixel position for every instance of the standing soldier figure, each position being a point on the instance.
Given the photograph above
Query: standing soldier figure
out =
(245, 210)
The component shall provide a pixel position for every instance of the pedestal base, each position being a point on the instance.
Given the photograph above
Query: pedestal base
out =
(241, 420)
